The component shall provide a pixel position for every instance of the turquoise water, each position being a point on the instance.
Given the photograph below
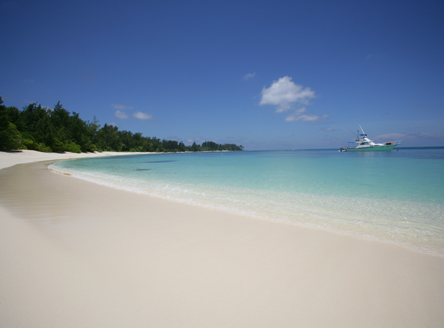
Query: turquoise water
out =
(395, 197)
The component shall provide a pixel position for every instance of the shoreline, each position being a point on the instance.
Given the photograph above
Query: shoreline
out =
(310, 225)
(8, 159)
(74, 253)
(360, 230)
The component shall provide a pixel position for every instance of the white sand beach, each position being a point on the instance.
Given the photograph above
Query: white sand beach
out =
(77, 254)
(29, 156)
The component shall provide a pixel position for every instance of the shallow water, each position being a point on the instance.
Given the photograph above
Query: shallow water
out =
(395, 197)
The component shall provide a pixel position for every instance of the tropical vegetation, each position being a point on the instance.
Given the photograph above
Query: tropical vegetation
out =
(57, 130)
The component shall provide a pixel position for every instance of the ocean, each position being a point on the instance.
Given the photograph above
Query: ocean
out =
(395, 197)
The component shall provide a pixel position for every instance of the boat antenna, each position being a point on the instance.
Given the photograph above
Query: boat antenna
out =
(348, 129)
(361, 129)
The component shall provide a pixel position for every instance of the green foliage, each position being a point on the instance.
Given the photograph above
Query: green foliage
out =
(43, 129)
(72, 147)
(42, 147)
(10, 137)
(57, 145)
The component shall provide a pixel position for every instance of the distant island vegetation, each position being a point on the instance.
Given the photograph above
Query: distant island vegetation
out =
(57, 130)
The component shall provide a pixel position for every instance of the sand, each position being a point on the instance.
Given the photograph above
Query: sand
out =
(76, 254)
(30, 156)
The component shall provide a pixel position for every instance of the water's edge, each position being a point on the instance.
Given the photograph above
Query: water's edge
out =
(312, 213)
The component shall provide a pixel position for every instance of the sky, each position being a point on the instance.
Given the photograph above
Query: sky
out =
(262, 74)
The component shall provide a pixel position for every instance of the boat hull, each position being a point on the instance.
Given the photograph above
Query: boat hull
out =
(374, 148)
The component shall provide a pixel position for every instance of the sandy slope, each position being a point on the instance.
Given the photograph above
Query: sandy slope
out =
(28, 156)
(76, 254)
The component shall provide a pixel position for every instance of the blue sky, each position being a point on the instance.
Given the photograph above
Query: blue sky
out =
(264, 74)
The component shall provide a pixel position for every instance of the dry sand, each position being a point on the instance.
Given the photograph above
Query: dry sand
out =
(30, 156)
(76, 254)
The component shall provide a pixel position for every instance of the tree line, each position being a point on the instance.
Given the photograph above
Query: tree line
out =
(57, 130)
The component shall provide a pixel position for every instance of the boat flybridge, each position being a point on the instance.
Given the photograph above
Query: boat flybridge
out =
(365, 144)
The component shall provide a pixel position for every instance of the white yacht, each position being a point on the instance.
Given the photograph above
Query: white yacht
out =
(365, 144)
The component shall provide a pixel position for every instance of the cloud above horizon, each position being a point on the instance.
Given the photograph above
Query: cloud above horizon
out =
(413, 135)
(249, 76)
(283, 93)
(121, 115)
(299, 115)
(196, 140)
(120, 106)
(142, 116)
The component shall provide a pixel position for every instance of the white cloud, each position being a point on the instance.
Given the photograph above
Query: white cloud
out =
(304, 117)
(249, 76)
(309, 118)
(120, 106)
(121, 115)
(198, 140)
(298, 115)
(394, 136)
(142, 116)
(284, 92)
(292, 117)
(412, 135)
(300, 110)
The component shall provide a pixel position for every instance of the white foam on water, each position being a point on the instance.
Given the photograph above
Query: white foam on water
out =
(411, 224)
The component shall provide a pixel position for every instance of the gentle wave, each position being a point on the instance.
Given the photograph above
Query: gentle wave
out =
(410, 224)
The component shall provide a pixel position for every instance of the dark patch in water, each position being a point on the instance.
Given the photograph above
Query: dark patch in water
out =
(154, 162)
(143, 169)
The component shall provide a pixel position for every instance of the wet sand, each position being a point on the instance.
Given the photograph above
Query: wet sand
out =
(76, 254)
